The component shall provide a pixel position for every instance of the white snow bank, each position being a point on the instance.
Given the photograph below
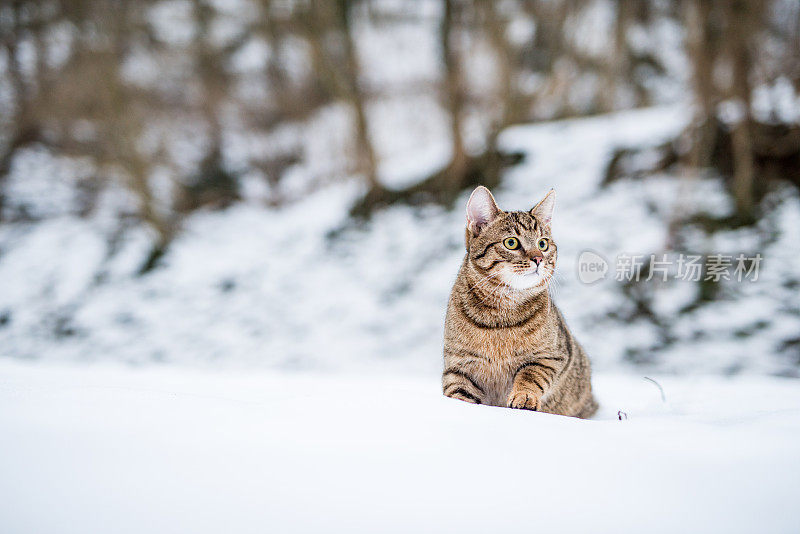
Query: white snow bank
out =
(253, 286)
(107, 449)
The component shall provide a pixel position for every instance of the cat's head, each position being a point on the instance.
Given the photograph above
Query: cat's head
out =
(514, 247)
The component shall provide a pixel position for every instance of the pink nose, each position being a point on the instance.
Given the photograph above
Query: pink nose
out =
(537, 259)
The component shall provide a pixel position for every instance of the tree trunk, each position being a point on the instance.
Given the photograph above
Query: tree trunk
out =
(616, 65)
(365, 150)
(743, 22)
(508, 97)
(454, 98)
(701, 46)
(342, 83)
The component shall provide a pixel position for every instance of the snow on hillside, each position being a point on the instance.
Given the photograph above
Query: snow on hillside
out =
(256, 286)
(105, 449)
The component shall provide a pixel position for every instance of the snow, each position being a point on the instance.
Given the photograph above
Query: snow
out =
(266, 376)
(252, 286)
(164, 449)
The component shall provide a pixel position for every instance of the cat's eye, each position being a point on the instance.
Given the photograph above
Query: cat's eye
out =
(511, 243)
(543, 244)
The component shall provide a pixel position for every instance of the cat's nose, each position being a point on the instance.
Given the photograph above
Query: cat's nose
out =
(537, 260)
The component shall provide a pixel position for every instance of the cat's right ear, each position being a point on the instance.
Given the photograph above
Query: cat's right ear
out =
(481, 210)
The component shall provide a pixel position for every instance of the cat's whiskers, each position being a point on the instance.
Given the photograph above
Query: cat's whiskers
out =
(492, 292)
(554, 283)
(484, 279)
(553, 287)
(501, 290)
(483, 282)
(488, 281)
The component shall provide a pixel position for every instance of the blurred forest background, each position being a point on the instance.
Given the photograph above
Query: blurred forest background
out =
(141, 124)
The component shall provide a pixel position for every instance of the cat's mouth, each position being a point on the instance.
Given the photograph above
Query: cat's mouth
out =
(532, 278)
(538, 275)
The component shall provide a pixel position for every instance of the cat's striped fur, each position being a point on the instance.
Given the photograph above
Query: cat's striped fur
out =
(506, 342)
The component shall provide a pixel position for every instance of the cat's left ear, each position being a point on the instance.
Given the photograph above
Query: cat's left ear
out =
(543, 211)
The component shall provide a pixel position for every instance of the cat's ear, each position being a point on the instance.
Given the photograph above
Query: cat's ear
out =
(481, 210)
(543, 211)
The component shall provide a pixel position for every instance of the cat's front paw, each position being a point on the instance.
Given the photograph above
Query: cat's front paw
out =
(523, 400)
(462, 395)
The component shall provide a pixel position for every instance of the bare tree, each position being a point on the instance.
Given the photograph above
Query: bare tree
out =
(213, 184)
(744, 20)
(341, 76)
(453, 95)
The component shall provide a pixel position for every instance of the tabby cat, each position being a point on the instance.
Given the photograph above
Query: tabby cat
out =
(505, 341)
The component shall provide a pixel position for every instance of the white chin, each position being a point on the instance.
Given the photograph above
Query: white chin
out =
(521, 282)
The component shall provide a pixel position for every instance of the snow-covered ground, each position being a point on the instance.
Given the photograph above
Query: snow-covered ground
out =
(283, 381)
(265, 377)
(163, 449)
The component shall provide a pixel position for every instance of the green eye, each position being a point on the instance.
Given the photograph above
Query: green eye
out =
(543, 244)
(511, 243)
